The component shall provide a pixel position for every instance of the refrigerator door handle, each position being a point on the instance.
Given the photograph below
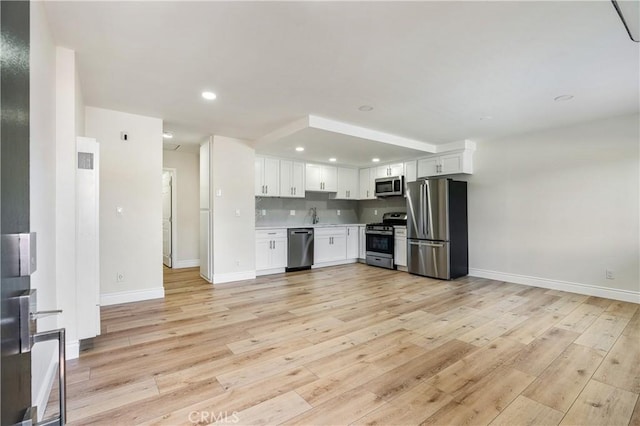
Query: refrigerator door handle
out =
(421, 216)
(425, 244)
(425, 207)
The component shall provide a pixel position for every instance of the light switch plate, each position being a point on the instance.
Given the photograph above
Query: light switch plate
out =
(292, 212)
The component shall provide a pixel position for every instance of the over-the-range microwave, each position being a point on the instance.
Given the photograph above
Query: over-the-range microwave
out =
(389, 186)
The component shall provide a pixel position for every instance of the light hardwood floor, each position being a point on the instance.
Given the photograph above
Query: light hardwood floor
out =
(360, 345)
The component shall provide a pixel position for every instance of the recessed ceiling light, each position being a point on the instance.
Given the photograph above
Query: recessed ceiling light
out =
(299, 149)
(562, 98)
(365, 108)
(167, 135)
(486, 117)
(375, 160)
(333, 160)
(209, 95)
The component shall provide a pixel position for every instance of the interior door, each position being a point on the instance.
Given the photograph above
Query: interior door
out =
(14, 202)
(167, 182)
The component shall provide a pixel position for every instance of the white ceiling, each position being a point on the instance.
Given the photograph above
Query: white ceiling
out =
(431, 70)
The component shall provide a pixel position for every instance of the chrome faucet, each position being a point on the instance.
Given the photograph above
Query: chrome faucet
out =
(314, 215)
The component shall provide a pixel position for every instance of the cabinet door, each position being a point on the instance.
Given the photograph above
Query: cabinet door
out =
(286, 177)
(400, 251)
(365, 184)
(330, 179)
(347, 184)
(362, 249)
(259, 177)
(313, 177)
(410, 171)
(272, 177)
(353, 242)
(279, 253)
(321, 248)
(428, 166)
(297, 179)
(381, 171)
(396, 169)
(339, 247)
(263, 254)
(451, 163)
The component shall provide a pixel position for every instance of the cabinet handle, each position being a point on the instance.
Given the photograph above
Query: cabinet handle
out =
(266, 187)
(295, 190)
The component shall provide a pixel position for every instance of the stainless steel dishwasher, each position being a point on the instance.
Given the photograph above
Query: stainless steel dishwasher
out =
(300, 249)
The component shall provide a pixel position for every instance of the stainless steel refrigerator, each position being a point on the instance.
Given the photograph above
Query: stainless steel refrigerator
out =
(437, 231)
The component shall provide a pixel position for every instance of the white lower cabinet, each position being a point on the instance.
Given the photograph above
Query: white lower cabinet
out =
(330, 244)
(353, 242)
(271, 249)
(400, 246)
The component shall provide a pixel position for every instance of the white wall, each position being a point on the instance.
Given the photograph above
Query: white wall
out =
(130, 178)
(187, 167)
(68, 101)
(233, 235)
(42, 127)
(559, 207)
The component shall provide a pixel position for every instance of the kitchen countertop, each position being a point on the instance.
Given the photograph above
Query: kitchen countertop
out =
(317, 225)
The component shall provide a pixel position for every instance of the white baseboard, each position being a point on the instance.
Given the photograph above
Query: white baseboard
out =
(334, 263)
(72, 350)
(42, 397)
(193, 263)
(233, 276)
(270, 271)
(586, 289)
(131, 296)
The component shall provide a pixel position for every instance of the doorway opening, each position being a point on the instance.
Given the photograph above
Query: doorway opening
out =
(169, 217)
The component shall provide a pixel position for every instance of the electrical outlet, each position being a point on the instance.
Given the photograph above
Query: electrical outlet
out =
(609, 274)
(263, 212)
(120, 277)
(375, 212)
(237, 212)
(338, 212)
(292, 212)
(237, 263)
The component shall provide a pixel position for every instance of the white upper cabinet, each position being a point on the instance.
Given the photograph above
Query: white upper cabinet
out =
(367, 184)
(321, 178)
(390, 170)
(410, 171)
(267, 177)
(291, 179)
(446, 164)
(347, 184)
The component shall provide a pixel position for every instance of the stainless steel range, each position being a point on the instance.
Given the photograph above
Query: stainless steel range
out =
(379, 237)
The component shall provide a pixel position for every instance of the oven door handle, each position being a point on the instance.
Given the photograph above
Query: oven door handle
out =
(378, 232)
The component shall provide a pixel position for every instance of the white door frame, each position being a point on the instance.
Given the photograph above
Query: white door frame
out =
(174, 214)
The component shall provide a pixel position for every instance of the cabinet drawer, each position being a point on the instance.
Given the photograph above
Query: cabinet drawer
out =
(400, 232)
(271, 233)
(330, 231)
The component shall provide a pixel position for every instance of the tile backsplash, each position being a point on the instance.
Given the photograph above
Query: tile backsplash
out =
(278, 210)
